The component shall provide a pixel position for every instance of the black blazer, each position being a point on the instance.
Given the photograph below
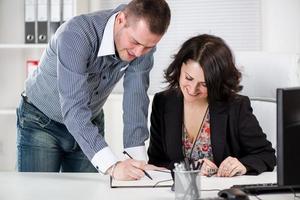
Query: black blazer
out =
(235, 132)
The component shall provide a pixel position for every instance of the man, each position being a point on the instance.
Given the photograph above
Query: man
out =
(60, 117)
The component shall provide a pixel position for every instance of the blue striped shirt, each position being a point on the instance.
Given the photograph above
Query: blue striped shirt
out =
(73, 81)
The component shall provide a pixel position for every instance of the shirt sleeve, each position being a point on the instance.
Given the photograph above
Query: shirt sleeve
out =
(136, 102)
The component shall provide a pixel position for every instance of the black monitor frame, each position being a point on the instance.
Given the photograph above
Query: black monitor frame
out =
(288, 136)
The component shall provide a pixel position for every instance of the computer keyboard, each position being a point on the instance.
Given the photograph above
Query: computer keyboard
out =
(266, 188)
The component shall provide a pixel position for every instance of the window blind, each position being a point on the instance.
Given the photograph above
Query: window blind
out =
(238, 22)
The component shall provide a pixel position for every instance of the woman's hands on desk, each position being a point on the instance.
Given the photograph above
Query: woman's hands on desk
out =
(207, 167)
(229, 167)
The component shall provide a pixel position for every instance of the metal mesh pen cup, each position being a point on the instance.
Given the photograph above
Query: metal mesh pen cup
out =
(187, 185)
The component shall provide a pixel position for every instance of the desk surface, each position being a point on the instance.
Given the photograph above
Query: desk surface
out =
(73, 186)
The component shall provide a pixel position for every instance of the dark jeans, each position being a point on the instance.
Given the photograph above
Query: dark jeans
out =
(45, 145)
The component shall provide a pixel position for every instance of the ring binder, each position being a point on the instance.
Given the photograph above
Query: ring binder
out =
(42, 21)
(31, 65)
(67, 10)
(30, 21)
(55, 16)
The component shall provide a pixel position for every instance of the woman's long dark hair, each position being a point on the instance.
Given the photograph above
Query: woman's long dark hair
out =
(214, 56)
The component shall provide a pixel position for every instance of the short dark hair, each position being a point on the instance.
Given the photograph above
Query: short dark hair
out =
(155, 12)
(216, 59)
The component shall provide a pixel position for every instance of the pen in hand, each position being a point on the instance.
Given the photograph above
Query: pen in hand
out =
(124, 152)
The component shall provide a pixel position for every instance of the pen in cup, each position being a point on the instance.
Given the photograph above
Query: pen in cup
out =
(124, 152)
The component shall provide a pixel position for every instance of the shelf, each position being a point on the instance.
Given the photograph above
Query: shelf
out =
(23, 46)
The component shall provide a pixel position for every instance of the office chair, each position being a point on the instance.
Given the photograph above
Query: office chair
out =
(265, 111)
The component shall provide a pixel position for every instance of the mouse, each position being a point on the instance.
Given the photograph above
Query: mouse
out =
(233, 194)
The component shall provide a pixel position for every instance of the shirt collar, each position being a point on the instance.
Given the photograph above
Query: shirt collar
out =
(107, 46)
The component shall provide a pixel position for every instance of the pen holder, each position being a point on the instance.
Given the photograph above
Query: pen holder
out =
(187, 185)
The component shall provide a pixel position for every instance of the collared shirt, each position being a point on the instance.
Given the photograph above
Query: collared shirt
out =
(107, 46)
(76, 75)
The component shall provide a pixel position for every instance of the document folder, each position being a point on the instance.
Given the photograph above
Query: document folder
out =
(55, 13)
(42, 21)
(31, 65)
(67, 10)
(30, 21)
(161, 178)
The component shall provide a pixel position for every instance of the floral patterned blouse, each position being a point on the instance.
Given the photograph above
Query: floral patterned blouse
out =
(201, 148)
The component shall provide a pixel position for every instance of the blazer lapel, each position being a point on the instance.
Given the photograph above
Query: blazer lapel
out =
(173, 126)
(218, 124)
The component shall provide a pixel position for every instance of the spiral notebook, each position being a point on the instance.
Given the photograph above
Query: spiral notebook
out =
(161, 178)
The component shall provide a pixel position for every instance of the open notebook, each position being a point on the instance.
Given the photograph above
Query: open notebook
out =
(161, 178)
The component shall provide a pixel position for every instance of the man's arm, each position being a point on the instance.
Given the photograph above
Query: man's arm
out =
(135, 105)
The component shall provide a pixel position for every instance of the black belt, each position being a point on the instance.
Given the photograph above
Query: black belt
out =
(25, 98)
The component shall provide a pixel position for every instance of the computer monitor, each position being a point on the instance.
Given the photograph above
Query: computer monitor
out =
(288, 136)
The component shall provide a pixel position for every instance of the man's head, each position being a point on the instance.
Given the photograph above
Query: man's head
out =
(139, 27)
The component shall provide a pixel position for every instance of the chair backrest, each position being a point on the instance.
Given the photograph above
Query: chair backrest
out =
(265, 112)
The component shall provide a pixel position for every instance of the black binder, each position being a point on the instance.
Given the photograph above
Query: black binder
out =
(42, 21)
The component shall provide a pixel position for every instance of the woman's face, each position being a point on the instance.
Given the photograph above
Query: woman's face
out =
(192, 82)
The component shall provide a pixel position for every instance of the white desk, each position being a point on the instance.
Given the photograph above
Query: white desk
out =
(80, 186)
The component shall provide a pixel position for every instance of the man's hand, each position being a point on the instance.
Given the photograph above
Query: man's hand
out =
(129, 169)
(231, 167)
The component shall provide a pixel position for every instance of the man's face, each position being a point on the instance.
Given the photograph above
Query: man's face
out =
(133, 39)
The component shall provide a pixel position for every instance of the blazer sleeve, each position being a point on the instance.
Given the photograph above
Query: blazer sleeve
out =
(156, 151)
(257, 152)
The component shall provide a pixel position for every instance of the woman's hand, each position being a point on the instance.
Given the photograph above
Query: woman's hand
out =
(208, 167)
(231, 167)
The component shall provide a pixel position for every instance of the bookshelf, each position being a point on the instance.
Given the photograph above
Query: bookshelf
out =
(14, 54)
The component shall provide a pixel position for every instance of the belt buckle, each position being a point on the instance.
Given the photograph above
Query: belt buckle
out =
(23, 94)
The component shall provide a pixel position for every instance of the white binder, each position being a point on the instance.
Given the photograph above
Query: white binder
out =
(68, 10)
(30, 21)
(55, 16)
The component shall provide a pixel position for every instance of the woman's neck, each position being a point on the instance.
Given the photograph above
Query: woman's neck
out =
(194, 114)
(203, 103)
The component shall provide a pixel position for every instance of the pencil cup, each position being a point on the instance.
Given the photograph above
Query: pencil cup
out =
(187, 185)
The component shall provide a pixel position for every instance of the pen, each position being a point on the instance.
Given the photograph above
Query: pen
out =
(124, 152)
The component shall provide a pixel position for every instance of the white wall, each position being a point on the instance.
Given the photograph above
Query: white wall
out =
(281, 26)
(7, 140)
(114, 123)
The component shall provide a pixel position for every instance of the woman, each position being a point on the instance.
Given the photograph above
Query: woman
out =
(201, 117)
